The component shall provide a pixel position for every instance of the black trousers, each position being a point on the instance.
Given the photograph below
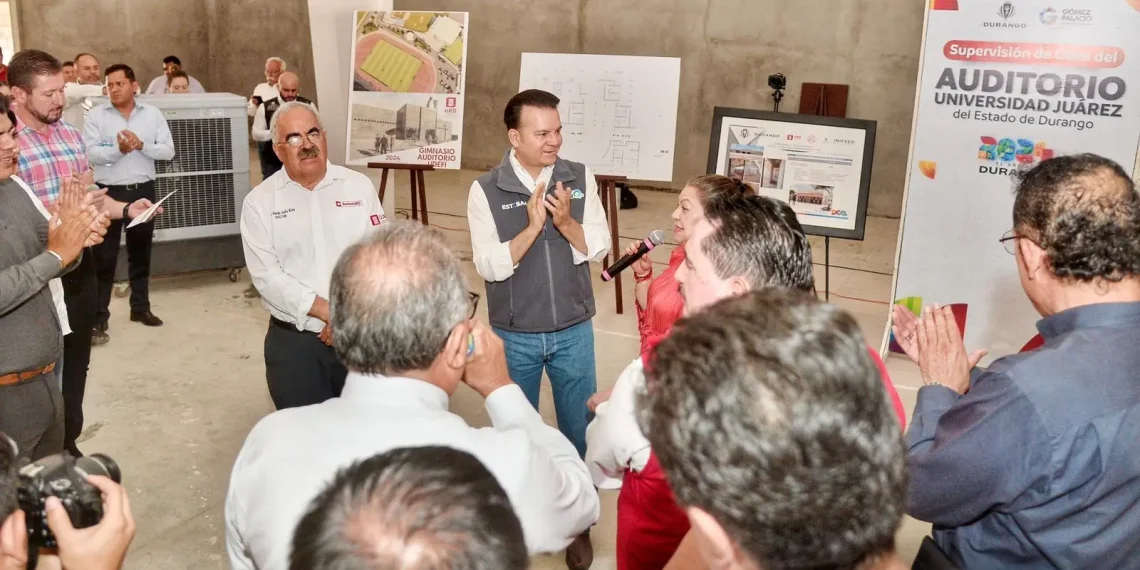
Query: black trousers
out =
(270, 164)
(299, 368)
(139, 240)
(81, 292)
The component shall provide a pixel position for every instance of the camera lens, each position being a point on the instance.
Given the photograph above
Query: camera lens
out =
(99, 464)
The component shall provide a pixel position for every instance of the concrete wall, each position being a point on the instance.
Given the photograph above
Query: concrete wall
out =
(728, 49)
(223, 43)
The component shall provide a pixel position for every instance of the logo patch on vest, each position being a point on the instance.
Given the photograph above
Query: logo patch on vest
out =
(515, 205)
(577, 194)
(349, 203)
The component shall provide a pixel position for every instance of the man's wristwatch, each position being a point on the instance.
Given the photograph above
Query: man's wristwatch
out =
(126, 207)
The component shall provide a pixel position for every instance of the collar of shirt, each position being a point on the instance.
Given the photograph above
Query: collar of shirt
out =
(1089, 316)
(333, 173)
(393, 391)
(140, 108)
(45, 160)
(22, 127)
(529, 182)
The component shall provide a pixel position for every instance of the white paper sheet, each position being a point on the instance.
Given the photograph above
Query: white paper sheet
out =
(149, 213)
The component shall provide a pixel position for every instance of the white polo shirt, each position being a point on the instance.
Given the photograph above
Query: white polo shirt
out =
(293, 237)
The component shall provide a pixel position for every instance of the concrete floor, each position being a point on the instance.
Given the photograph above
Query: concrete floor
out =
(173, 405)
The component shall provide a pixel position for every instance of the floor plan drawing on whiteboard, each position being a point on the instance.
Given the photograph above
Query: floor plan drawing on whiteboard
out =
(619, 113)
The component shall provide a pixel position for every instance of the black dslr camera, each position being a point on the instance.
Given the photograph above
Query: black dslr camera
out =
(65, 478)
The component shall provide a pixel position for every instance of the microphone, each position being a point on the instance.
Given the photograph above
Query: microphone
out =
(655, 238)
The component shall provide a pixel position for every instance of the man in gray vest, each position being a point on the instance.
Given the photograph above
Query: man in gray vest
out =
(536, 222)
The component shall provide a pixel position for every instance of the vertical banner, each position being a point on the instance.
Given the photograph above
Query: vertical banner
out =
(1004, 85)
(406, 98)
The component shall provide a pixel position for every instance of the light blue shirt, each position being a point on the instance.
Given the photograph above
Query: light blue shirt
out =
(100, 136)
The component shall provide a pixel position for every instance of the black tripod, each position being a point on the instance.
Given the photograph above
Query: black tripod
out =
(777, 82)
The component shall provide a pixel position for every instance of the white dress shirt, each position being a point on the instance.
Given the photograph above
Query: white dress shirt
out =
(55, 285)
(293, 237)
(492, 256)
(159, 85)
(266, 92)
(614, 441)
(260, 131)
(78, 102)
(292, 454)
(100, 135)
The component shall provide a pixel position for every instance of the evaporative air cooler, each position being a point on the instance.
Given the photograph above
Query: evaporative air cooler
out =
(210, 171)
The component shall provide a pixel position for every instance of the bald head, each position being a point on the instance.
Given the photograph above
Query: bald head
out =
(396, 296)
(288, 85)
(87, 69)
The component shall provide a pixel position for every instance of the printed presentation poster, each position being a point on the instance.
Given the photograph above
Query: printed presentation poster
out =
(821, 170)
(406, 98)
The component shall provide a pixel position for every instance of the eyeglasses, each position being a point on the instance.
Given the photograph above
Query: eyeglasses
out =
(1009, 241)
(473, 297)
(294, 140)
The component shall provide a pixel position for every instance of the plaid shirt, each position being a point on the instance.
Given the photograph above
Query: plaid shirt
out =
(46, 161)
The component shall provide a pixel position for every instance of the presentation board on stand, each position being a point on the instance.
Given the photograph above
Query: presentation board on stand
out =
(1002, 87)
(820, 166)
(406, 88)
(619, 113)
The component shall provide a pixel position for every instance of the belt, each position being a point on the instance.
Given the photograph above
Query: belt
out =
(274, 321)
(135, 186)
(17, 377)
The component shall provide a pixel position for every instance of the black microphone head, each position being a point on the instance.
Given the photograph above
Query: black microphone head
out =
(656, 237)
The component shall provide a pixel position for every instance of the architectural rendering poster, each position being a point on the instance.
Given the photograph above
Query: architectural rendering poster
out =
(820, 166)
(406, 97)
(1004, 85)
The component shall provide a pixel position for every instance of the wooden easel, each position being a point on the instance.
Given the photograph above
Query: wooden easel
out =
(607, 187)
(419, 190)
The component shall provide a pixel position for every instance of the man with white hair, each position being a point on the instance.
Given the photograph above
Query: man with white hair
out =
(266, 91)
(294, 225)
(274, 67)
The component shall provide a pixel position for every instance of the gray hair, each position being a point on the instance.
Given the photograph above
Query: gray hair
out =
(289, 107)
(284, 65)
(429, 508)
(395, 296)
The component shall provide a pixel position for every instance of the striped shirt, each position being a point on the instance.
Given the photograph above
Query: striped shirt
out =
(45, 161)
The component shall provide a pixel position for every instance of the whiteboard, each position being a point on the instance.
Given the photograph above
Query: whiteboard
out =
(619, 113)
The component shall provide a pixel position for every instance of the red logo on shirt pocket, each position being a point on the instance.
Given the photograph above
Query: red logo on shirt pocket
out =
(377, 220)
(349, 203)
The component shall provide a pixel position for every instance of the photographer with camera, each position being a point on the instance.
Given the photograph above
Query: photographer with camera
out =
(94, 502)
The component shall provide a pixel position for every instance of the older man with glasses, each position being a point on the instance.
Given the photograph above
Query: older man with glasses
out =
(294, 226)
(1032, 462)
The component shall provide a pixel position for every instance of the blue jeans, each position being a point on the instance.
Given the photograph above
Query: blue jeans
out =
(568, 357)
